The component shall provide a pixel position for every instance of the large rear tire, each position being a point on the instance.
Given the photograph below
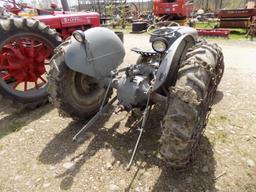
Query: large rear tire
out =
(25, 45)
(74, 94)
(190, 102)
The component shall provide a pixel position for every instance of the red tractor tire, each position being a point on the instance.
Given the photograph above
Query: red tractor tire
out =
(25, 45)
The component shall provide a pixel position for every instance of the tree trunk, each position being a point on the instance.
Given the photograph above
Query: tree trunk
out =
(221, 2)
(65, 5)
(206, 5)
(216, 4)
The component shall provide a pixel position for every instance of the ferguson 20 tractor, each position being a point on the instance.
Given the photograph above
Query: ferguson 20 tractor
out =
(27, 44)
(180, 73)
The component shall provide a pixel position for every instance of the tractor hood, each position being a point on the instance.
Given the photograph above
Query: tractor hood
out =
(102, 53)
(64, 19)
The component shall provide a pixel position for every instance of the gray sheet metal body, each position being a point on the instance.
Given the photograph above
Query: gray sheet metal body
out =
(177, 32)
(168, 69)
(102, 53)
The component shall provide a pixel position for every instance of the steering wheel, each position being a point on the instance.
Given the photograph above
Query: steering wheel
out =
(173, 24)
(155, 28)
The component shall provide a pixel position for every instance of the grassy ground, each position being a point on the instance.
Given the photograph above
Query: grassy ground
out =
(235, 34)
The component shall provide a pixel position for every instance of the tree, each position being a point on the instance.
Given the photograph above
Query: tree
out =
(206, 5)
(221, 4)
(65, 5)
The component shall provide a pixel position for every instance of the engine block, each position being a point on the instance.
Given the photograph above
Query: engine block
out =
(133, 86)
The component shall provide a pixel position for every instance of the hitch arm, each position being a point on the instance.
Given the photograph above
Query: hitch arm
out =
(95, 118)
(145, 117)
(103, 108)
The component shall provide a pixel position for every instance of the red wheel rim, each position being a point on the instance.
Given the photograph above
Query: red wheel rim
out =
(23, 62)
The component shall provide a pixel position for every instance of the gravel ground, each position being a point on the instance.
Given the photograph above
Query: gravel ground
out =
(37, 153)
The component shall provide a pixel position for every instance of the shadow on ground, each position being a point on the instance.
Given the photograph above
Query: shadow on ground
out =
(14, 120)
(218, 97)
(62, 144)
(198, 177)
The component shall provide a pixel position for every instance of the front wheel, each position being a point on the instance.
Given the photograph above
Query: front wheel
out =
(189, 103)
(75, 95)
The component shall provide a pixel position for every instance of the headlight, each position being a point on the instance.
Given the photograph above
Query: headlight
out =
(160, 45)
(79, 36)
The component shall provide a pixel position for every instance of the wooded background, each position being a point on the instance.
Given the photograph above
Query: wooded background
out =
(211, 4)
(220, 4)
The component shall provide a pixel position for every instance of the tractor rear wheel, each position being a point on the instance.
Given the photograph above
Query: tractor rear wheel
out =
(189, 103)
(26, 46)
(74, 94)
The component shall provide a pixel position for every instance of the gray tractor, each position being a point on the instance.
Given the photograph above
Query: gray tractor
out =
(180, 73)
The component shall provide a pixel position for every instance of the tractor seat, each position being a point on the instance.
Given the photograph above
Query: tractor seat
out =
(143, 52)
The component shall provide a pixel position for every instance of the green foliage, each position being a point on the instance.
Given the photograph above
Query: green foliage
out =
(10, 127)
(217, 4)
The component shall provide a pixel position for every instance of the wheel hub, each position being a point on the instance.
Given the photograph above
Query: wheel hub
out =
(23, 59)
(85, 89)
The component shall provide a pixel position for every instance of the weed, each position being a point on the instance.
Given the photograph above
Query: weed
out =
(16, 126)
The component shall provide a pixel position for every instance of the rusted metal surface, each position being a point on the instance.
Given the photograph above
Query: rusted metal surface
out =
(237, 13)
(235, 23)
(214, 32)
(236, 18)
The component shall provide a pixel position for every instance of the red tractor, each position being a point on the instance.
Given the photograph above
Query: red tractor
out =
(173, 9)
(26, 46)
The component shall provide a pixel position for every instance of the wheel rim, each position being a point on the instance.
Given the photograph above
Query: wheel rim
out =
(23, 64)
(86, 90)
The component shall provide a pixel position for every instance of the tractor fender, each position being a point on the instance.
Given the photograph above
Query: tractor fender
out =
(102, 52)
(167, 72)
